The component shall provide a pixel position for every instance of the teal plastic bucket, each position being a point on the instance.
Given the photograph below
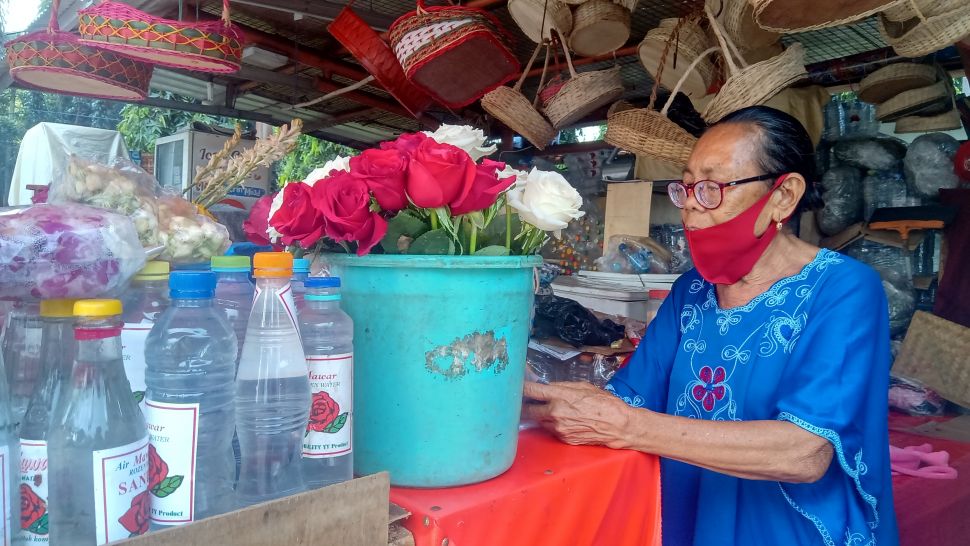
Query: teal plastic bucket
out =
(439, 360)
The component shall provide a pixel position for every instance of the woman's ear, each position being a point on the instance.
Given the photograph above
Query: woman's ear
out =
(787, 196)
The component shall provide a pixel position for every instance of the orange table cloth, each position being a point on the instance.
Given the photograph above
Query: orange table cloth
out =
(553, 494)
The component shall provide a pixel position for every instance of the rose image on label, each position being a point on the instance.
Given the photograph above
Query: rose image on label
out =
(328, 432)
(33, 491)
(133, 337)
(173, 432)
(120, 490)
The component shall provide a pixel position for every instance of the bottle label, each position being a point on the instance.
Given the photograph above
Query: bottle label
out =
(173, 430)
(133, 337)
(5, 496)
(285, 295)
(329, 432)
(33, 491)
(121, 492)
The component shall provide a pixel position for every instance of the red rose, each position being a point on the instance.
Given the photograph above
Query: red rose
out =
(157, 468)
(439, 174)
(344, 202)
(485, 188)
(258, 222)
(135, 520)
(298, 220)
(384, 172)
(32, 507)
(323, 410)
(406, 143)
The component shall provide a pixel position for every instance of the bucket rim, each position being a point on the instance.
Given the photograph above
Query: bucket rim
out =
(433, 261)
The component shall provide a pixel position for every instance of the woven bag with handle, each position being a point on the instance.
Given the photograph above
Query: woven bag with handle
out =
(583, 93)
(926, 33)
(509, 105)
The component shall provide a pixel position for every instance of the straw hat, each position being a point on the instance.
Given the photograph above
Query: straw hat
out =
(947, 121)
(802, 15)
(929, 100)
(537, 18)
(599, 27)
(891, 80)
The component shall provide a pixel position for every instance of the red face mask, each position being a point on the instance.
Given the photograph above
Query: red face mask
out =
(725, 253)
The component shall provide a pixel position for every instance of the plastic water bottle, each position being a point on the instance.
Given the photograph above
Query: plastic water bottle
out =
(301, 272)
(97, 445)
(145, 299)
(234, 293)
(57, 354)
(328, 341)
(272, 388)
(10, 463)
(191, 358)
(21, 356)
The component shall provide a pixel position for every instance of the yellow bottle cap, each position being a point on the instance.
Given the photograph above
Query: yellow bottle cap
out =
(153, 271)
(97, 308)
(273, 264)
(57, 308)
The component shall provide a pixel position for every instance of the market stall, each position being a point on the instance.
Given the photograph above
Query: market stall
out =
(220, 346)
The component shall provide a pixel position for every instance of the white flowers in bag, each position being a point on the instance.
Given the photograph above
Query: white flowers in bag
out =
(546, 201)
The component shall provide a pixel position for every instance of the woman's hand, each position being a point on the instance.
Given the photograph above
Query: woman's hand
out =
(579, 413)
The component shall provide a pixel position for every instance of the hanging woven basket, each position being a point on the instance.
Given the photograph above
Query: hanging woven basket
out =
(537, 18)
(926, 34)
(512, 108)
(453, 53)
(750, 85)
(687, 42)
(917, 9)
(891, 80)
(599, 27)
(212, 46)
(583, 93)
(55, 61)
(930, 100)
(737, 18)
(804, 15)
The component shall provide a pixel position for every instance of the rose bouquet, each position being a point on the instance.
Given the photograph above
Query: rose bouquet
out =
(423, 193)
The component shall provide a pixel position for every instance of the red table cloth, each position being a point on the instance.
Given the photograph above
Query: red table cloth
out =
(554, 494)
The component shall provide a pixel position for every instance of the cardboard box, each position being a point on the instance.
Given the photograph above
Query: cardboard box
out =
(628, 209)
(353, 513)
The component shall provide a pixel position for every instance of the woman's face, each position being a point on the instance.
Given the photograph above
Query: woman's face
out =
(726, 153)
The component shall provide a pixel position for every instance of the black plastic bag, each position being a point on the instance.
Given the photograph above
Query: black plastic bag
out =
(569, 321)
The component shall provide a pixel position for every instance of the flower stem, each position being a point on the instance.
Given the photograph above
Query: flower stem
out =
(434, 220)
(474, 240)
(508, 227)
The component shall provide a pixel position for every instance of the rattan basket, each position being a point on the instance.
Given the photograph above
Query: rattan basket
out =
(738, 21)
(537, 18)
(648, 132)
(750, 85)
(917, 9)
(689, 41)
(803, 15)
(599, 27)
(947, 121)
(509, 105)
(582, 94)
(930, 100)
(891, 80)
(209, 46)
(56, 61)
(926, 34)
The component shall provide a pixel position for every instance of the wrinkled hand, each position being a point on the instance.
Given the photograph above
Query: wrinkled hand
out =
(578, 413)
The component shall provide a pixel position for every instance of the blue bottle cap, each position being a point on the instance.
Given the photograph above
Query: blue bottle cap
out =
(192, 284)
(322, 282)
(301, 265)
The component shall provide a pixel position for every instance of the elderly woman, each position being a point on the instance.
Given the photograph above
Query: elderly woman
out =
(762, 382)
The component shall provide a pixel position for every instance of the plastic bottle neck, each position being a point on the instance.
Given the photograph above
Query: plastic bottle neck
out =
(322, 298)
(191, 302)
(272, 282)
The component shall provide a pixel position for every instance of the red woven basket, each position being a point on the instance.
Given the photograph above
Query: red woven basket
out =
(377, 58)
(455, 54)
(51, 60)
(211, 46)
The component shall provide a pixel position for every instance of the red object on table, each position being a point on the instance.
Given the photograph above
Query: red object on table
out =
(554, 494)
(931, 512)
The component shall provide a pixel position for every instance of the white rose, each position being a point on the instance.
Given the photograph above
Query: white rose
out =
(341, 163)
(521, 177)
(275, 206)
(465, 137)
(546, 201)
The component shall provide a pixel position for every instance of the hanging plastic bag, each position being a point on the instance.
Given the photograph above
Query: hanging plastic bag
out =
(66, 251)
(188, 237)
(842, 194)
(929, 164)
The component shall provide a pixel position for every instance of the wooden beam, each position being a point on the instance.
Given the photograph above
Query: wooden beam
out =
(341, 118)
(625, 52)
(318, 9)
(365, 99)
(287, 70)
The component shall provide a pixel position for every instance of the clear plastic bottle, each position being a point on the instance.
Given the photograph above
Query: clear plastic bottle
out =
(21, 356)
(10, 462)
(234, 293)
(272, 388)
(57, 354)
(301, 272)
(145, 299)
(98, 444)
(328, 341)
(191, 358)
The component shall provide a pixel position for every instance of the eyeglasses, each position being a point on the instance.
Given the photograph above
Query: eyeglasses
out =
(708, 193)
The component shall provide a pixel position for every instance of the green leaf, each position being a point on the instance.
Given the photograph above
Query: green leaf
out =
(139, 396)
(406, 223)
(494, 233)
(40, 526)
(477, 219)
(337, 423)
(167, 486)
(494, 250)
(436, 242)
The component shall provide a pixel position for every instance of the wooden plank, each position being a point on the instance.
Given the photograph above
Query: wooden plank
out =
(353, 513)
(628, 209)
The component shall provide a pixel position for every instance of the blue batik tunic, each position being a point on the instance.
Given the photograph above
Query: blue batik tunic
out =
(814, 351)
